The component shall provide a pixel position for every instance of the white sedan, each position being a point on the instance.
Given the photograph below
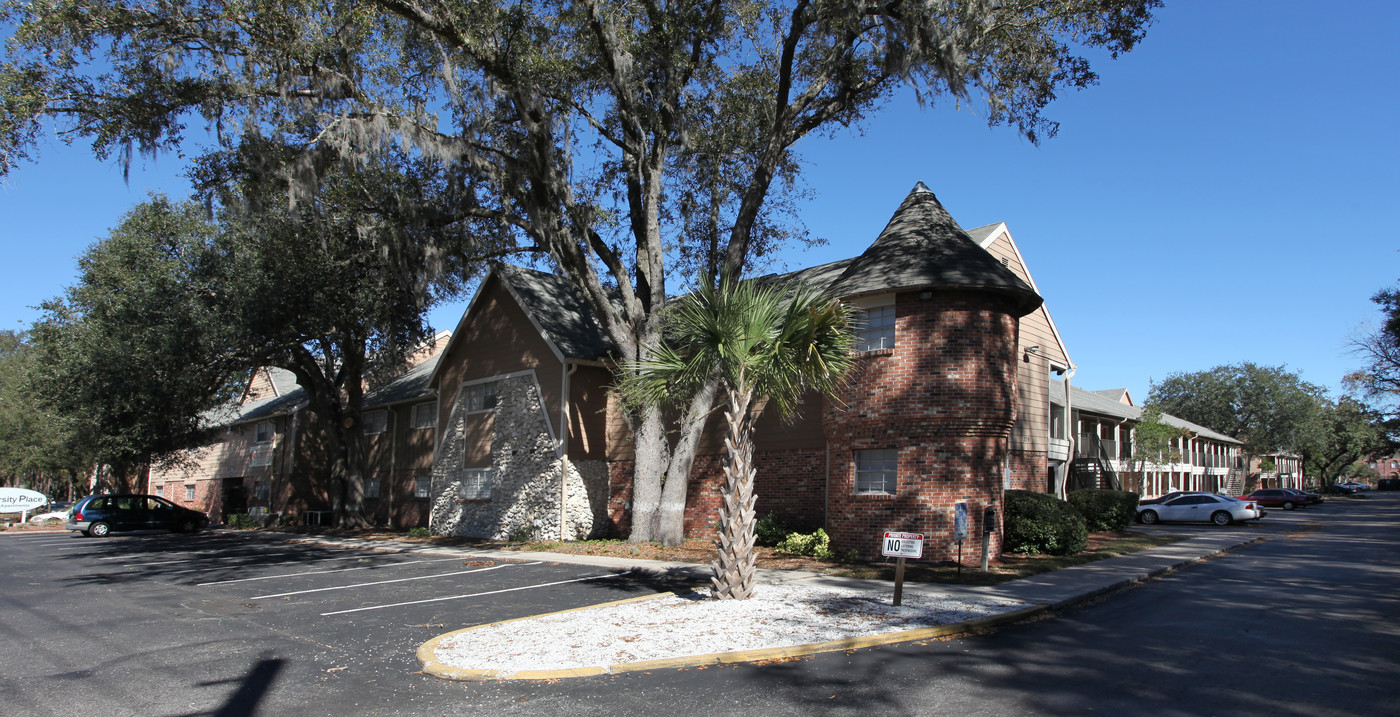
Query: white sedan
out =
(1199, 508)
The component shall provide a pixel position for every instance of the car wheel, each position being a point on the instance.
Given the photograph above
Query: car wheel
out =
(1289, 505)
(99, 530)
(1148, 517)
(1221, 517)
(189, 525)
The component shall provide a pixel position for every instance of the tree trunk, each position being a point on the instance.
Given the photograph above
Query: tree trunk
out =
(649, 464)
(734, 568)
(671, 521)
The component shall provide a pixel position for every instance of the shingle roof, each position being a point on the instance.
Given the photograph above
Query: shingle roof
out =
(561, 311)
(411, 385)
(283, 381)
(1098, 403)
(923, 247)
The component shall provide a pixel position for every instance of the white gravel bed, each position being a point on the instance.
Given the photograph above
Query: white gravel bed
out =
(780, 615)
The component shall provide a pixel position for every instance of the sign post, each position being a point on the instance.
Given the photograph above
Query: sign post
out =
(960, 531)
(902, 545)
(21, 500)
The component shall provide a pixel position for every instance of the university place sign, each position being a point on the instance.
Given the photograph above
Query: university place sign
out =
(21, 500)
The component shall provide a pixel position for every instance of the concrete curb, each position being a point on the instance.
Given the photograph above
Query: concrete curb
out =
(427, 652)
(1041, 599)
(427, 655)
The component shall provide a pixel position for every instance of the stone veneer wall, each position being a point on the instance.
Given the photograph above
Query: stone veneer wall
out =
(525, 492)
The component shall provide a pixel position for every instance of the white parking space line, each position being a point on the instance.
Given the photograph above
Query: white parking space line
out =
(460, 597)
(320, 572)
(386, 582)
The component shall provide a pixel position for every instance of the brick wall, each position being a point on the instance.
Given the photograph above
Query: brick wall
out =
(1027, 470)
(944, 398)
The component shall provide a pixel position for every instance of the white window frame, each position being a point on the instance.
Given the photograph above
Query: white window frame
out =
(875, 323)
(423, 486)
(424, 415)
(264, 432)
(375, 422)
(475, 484)
(879, 462)
(373, 487)
(189, 492)
(482, 396)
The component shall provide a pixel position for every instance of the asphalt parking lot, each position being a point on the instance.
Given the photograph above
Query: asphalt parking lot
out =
(222, 617)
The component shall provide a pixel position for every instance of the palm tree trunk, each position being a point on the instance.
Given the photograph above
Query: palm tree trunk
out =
(734, 568)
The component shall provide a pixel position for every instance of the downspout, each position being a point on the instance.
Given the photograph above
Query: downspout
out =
(1071, 430)
(566, 371)
(290, 462)
(393, 459)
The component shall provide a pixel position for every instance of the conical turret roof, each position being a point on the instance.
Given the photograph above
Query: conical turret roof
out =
(924, 248)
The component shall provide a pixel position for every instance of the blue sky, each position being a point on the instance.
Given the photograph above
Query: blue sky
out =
(1224, 194)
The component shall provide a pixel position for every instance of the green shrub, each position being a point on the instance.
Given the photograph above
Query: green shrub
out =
(813, 545)
(770, 530)
(1040, 523)
(1105, 509)
(419, 532)
(242, 521)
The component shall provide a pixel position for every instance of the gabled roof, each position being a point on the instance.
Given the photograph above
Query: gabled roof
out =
(1105, 403)
(559, 310)
(986, 236)
(283, 381)
(923, 247)
(1116, 394)
(412, 385)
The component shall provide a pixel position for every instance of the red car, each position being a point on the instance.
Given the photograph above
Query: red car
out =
(1276, 498)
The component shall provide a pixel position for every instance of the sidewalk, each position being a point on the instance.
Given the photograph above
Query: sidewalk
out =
(1040, 594)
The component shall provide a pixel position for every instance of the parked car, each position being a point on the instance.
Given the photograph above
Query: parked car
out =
(1163, 498)
(1388, 484)
(98, 515)
(1198, 507)
(1353, 485)
(1341, 489)
(1311, 498)
(1277, 498)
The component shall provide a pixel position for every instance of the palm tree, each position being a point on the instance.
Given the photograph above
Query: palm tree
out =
(766, 347)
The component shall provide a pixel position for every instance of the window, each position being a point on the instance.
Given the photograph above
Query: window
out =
(425, 415)
(262, 433)
(475, 484)
(876, 471)
(371, 487)
(875, 329)
(480, 396)
(422, 486)
(189, 494)
(261, 490)
(376, 421)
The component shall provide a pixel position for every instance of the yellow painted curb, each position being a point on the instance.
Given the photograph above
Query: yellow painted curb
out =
(427, 654)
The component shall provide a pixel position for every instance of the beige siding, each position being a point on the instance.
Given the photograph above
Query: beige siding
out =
(588, 412)
(230, 456)
(1032, 428)
(259, 387)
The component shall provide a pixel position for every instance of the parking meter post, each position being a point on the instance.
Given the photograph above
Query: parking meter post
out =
(899, 582)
